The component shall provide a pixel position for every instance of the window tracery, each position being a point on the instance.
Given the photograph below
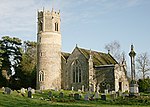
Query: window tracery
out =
(77, 72)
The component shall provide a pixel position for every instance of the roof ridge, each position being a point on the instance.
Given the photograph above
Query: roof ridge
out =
(99, 58)
(93, 50)
(81, 52)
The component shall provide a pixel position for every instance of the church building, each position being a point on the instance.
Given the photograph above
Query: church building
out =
(81, 69)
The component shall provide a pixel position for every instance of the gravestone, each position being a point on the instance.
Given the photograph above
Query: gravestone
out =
(29, 88)
(111, 92)
(33, 91)
(91, 88)
(77, 96)
(61, 94)
(96, 96)
(3, 89)
(72, 88)
(50, 94)
(119, 93)
(103, 97)
(82, 88)
(29, 94)
(108, 86)
(86, 97)
(22, 90)
(113, 96)
(7, 90)
(79, 90)
(106, 91)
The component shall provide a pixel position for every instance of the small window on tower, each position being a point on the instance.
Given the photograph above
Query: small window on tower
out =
(56, 26)
(41, 76)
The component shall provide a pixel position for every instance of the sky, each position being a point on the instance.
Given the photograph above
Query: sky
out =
(89, 23)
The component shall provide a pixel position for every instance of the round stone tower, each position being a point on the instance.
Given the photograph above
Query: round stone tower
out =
(48, 50)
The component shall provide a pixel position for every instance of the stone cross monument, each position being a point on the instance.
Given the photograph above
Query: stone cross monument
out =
(132, 55)
(48, 50)
(133, 84)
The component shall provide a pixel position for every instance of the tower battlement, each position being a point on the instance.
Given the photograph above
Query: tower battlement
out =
(48, 21)
(53, 13)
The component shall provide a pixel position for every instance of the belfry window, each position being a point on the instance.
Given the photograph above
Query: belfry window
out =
(77, 73)
(56, 26)
(41, 76)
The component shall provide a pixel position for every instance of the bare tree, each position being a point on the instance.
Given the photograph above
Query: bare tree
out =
(114, 49)
(143, 64)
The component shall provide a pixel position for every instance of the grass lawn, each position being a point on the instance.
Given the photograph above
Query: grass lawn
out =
(17, 100)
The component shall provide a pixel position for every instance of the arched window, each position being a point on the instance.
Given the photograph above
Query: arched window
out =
(77, 72)
(41, 76)
(56, 26)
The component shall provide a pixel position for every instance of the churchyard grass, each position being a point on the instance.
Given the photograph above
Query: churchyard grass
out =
(15, 99)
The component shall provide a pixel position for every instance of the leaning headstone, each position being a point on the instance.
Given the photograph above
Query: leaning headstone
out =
(29, 94)
(61, 94)
(77, 96)
(22, 90)
(33, 91)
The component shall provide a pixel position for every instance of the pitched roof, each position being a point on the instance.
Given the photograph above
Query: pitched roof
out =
(99, 58)
(65, 55)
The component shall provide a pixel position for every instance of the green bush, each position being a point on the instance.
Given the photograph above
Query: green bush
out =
(144, 85)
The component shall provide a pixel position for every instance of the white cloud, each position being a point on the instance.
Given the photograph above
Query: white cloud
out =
(14, 15)
(20, 15)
